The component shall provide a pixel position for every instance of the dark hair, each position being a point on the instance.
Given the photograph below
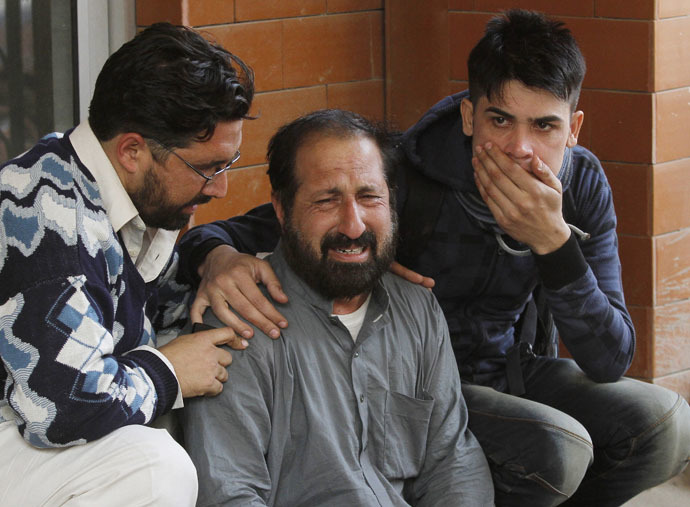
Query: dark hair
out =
(171, 84)
(531, 48)
(283, 147)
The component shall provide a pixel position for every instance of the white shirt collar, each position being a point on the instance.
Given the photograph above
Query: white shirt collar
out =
(148, 248)
(116, 201)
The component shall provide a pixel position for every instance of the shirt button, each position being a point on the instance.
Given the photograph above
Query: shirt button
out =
(361, 398)
(356, 354)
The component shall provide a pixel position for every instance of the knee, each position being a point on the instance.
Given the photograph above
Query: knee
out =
(171, 477)
(563, 453)
(667, 440)
(549, 463)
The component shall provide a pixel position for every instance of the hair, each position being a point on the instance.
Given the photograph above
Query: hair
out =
(170, 84)
(531, 48)
(283, 147)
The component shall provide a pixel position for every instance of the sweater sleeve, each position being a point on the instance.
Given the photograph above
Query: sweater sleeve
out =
(66, 383)
(73, 309)
(583, 284)
(256, 231)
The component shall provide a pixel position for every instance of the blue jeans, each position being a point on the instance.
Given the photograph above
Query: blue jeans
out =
(572, 440)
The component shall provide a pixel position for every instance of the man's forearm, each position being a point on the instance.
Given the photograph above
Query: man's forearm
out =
(84, 387)
(587, 303)
(256, 231)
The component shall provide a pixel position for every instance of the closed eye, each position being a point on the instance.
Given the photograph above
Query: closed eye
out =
(371, 197)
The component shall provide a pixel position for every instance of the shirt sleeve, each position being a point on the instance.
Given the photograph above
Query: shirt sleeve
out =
(228, 436)
(256, 231)
(455, 470)
(584, 289)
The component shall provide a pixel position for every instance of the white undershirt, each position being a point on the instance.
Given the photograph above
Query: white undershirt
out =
(353, 321)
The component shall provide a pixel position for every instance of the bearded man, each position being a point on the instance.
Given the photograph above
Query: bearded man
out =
(359, 402)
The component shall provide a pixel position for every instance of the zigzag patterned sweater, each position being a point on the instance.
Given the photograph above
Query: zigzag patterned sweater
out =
(75, 315)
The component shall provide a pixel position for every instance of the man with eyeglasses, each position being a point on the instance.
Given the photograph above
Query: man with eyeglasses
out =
(172, 217)
(88, 225)
(207, 171)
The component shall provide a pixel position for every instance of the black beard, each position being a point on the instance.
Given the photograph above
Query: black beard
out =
(333, 279)
(151, 201)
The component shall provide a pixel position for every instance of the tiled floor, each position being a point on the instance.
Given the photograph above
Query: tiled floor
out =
(674, 493)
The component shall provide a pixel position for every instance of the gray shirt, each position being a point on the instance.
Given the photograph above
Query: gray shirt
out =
(314, 418)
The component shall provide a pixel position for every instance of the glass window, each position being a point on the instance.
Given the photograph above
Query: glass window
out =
(37, 95)
(50, 54)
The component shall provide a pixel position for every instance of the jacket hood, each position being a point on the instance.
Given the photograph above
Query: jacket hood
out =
(437, 146)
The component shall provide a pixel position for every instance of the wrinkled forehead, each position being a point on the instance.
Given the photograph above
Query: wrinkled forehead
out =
(325, 158)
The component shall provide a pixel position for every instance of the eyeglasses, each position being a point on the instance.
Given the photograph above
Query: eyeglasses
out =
(208, 179)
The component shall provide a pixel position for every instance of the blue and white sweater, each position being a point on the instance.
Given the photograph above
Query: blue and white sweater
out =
(76, 332)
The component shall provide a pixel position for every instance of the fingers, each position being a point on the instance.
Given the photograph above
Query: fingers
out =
(257, 309)
(198, 308)
(510, 190)
(254, 307)
(525, 201)
(411, 276)
(214, 389)
(197, 361)
(224, 358)
(222, 374)
(490, 193)
(267, 276)
(498, 175)
(509, 175)
(236, 342)
(230, 281)
(223, 336)
(496, 201)
(229, 318)
(545, 175)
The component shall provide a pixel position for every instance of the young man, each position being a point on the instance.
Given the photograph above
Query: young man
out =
(88, 224)
(359, 402)
(518, 204)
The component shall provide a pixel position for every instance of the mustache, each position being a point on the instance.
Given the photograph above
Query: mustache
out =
(202, 199)
(338, 240)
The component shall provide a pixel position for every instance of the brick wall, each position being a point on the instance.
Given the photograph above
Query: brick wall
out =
(307, 55)
(636, 99)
